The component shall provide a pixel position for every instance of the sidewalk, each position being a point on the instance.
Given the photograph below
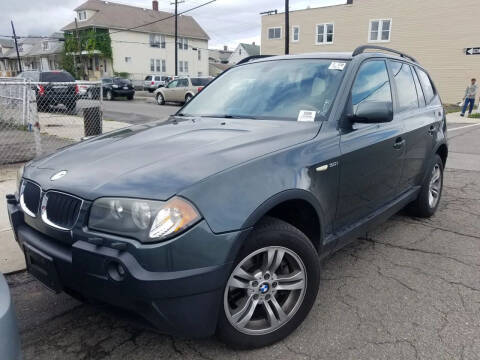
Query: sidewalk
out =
(455, 118)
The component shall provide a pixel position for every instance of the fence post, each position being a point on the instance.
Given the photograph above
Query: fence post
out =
(25, 101)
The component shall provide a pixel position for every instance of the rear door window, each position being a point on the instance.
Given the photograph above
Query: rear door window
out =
(60, 76)
(157, 78)
(407, 93)
(200, 81)
(183, 83)
(426, 85)
(372, 84)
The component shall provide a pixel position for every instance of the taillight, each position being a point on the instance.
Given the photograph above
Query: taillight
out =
(41, 90)
(76, 89)
(199, 88)
(153, 82)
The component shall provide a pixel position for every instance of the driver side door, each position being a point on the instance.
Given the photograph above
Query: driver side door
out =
(169, 91)
(372, 155)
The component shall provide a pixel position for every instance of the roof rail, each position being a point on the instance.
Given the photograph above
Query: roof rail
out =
(253, 57)
(361, 49)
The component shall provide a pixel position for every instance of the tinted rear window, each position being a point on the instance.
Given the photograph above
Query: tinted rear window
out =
(148, 78)
(122, 81)
(407, 93)
(56, 77)
(200, 81)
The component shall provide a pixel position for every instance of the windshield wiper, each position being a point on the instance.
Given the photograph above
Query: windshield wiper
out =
(229, 116)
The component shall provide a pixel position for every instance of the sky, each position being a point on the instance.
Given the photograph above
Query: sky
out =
(227, 22)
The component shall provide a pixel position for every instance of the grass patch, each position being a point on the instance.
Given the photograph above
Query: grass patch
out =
(475, 116)
(452, 108)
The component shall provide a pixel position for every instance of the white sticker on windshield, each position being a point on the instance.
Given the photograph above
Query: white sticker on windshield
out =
(306, 115)
(335, 65)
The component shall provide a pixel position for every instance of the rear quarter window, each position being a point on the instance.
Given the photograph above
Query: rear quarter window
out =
(426, 85)
(56, 77)
(148, 78)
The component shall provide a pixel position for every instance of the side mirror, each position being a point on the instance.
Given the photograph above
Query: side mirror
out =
(372, 112)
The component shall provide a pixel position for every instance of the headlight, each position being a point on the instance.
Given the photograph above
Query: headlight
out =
(145, 220)
(19, 176)
(115, 86)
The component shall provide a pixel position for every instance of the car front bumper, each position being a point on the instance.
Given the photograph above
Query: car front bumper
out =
(176, 285)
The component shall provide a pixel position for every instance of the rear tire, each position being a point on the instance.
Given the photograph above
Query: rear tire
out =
(427, 202)
(275, 249)
(72, 107)
(188, 97)
(130, 97)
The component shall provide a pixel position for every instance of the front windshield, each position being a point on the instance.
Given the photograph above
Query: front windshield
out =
(278, 89)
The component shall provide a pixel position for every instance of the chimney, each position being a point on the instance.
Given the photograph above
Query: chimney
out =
(225, 48)
(253, 43)
(349, 2)
(155, 5)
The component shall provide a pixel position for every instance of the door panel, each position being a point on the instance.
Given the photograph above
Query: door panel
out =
(372, 154)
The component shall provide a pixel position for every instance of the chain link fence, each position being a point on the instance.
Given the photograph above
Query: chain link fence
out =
(36, 118)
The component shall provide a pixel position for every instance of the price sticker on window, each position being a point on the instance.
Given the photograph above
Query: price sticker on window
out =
(306, 116)
(336, 65)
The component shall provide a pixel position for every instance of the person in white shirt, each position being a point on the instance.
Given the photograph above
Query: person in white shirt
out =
(469, 99)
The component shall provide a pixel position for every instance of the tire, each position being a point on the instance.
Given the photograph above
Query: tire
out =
(188, 97)
(72, 107)
(160, 99)
(268, 239)
(130, 97)
(90, 95)
(109, 96)
(424, 207)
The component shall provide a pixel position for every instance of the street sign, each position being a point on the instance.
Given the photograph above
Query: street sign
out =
(472, 51)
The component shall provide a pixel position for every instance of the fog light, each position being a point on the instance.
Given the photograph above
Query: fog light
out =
(116, 271)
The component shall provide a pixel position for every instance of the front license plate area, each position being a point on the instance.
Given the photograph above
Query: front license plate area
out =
(42, 267)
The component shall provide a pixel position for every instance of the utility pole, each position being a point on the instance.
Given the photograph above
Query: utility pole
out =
(16, 47)
(176, 35)
(79, 49)
(287, 28)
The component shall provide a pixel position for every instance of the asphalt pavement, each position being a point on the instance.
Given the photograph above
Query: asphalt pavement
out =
(141, 110)
(408, 290)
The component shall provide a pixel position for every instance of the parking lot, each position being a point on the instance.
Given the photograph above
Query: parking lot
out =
(408, 290)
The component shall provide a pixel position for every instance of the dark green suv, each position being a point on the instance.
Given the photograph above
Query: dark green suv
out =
(216, 221)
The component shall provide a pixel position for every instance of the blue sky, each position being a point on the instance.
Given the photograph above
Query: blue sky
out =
(228, 22)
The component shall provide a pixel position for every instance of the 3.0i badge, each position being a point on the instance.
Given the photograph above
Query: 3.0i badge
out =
(58, 175)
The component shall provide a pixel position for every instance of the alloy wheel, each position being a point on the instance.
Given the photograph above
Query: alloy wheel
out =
(160, 99)
(265, 290)
(435, 186)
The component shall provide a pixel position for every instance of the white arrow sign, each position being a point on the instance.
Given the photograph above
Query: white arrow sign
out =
(472, 51)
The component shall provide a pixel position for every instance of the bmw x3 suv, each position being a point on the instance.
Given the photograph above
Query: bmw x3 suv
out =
(215, 222)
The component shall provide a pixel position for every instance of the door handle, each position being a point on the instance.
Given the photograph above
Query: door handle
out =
(399, 143)
(431, 130)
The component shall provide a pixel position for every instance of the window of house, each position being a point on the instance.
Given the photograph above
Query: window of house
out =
(45, 45)
(180, 66)
(275, 33)
(426, 86)
(183, 43)
(158, 63)
(295, 33)
(199, 73)
(372, 84)
(407, 93)
(325, 33)
(185, 65)
(152, 65)
(82, 15)
(199, 55)
(164, 66)
(128, 59)
(380, 30)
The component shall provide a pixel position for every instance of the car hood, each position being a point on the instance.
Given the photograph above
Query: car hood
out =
(158, 160)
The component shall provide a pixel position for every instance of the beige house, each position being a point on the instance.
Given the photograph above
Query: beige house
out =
(149, 47)
(436, 32)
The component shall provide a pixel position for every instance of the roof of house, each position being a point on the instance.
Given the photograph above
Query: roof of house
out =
(219, 55)
(251, 49)
(6, 43)
(119, 16)
(215, 69)
(35, 47)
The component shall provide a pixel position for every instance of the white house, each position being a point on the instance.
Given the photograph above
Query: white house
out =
(139, 49)
(242, 51)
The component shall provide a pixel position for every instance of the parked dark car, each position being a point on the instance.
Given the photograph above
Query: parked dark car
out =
(113, 88)
(53, 88)
(216, 221)
(9, 338)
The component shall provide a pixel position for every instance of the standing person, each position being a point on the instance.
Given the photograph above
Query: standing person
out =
(469, 98)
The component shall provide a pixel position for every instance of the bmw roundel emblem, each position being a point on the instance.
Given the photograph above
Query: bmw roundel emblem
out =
(58, 175)
(264, 288)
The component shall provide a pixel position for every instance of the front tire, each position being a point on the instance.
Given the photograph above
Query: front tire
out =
(271, 288)
(427, 202)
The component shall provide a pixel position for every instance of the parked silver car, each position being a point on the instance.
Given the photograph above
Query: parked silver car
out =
(153, 82)
(9, 338)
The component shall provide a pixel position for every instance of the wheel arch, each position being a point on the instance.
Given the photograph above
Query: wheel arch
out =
(297, 207)
(442, 151)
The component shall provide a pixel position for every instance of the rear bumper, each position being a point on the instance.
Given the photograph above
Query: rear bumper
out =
(121, 92)
(182, 302)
